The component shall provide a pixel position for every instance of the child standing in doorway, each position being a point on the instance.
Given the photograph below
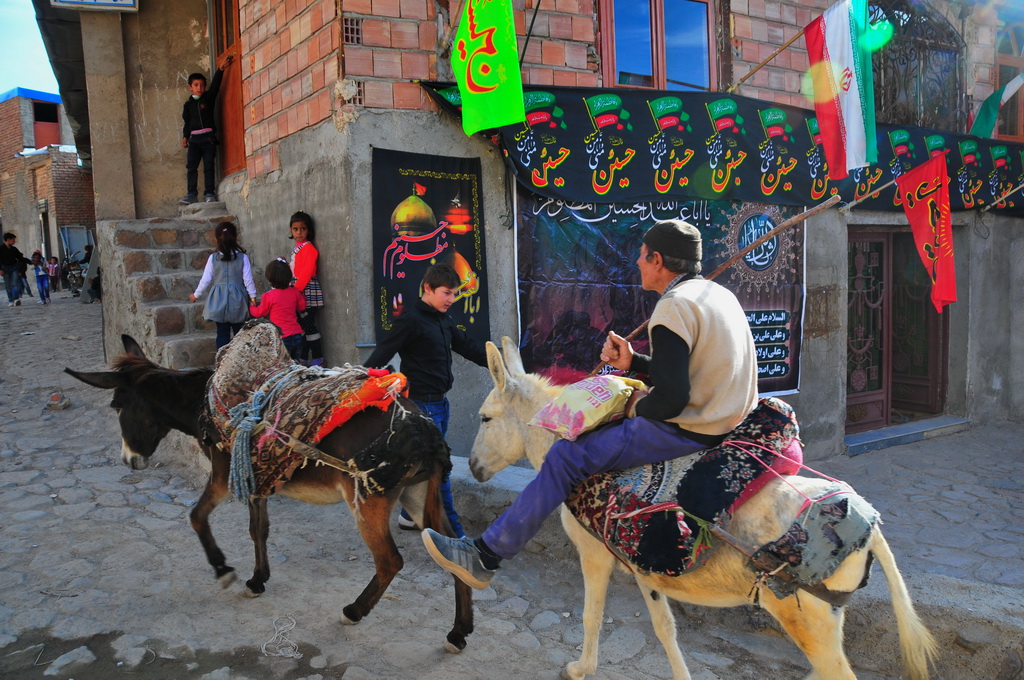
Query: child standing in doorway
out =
(303, 264)
(230, 272)
(282, 304)
(199, 134)
(42, 277)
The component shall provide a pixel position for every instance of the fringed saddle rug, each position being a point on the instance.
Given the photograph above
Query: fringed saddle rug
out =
(255, 383)
(658, 516)
(828, 529)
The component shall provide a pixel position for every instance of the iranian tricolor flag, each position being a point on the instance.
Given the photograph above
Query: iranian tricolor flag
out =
(844, 91)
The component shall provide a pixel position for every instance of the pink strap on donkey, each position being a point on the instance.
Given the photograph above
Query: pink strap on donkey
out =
(792, 457)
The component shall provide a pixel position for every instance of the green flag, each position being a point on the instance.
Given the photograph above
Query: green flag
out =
(486, 66)
(985, 123)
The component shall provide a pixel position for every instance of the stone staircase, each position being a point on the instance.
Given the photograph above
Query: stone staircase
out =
(150, 267)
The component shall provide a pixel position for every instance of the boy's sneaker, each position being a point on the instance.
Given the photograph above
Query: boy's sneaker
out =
(17, 303)
(458, 556)
(188, 199)
(210, 198)
(406, 523)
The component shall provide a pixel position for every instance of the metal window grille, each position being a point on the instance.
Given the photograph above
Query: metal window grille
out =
(919, 72)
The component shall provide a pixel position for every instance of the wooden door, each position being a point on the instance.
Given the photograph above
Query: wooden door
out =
(919, 336)
(867, 353)
(232, 128)
(896, 341)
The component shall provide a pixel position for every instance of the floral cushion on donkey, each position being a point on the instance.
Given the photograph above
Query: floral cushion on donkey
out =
(658, 516)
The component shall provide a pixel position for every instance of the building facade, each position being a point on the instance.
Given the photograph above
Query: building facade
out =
(316, 86)
(46, 196)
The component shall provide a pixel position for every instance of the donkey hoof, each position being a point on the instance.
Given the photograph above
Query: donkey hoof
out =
(349, 617)
(227, 578)
(572, 671)
(454, 647)
(253, 588)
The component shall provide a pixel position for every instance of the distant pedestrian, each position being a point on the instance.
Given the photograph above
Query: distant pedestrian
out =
(53, 272)
(42, 277)
(282, 304)
(94, 292)
(199, 134)
(12, 262)
(229, 271)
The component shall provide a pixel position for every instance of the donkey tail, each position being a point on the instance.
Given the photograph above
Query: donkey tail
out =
(917, 645)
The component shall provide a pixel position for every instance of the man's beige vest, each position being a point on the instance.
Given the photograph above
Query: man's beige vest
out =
(723, 364)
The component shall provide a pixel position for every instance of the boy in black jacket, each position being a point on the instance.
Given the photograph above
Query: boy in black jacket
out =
(199, 133)
(424, 336)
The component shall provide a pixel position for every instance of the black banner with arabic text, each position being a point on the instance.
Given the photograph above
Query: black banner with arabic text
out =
(622, 146)
(426, 210)
(578, 279)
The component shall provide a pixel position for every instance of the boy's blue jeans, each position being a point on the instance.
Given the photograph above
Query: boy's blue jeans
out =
(439, 412)
(618, 445)
(12, 282)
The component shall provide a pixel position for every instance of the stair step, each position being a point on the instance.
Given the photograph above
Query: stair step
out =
(187, 351)
(174, 318)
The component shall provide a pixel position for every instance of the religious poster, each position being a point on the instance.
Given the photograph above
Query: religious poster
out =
(623, 146)
(427, 210)
(578, 279)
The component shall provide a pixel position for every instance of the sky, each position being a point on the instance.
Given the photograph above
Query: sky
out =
(23, 61)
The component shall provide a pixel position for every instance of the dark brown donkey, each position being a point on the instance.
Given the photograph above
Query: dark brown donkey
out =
(151, 401)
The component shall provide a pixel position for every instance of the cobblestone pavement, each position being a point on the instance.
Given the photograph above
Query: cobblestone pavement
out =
(101, 575)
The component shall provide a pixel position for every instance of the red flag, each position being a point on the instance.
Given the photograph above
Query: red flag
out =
(925, 195)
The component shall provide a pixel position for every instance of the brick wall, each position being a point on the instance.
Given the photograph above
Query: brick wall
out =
(71, 199)
(387, 43)
(289, 68)
(295, 51)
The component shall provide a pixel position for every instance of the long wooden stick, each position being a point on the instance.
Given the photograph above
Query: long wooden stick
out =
(757, 68)
(846, 208)
(1002, 198)
(796, 219)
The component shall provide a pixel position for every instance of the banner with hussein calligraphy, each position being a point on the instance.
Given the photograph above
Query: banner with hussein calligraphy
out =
(426, 210)
(578, 279)
(623, 146)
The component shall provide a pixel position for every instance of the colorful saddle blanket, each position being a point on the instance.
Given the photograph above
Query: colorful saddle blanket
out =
(832, 525)
(256, 382)
(658, 516)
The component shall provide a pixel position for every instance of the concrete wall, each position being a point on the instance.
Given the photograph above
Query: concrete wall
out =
(163, 43)
(326, 172)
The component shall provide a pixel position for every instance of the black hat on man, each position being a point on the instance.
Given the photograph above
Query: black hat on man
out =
(674, 238)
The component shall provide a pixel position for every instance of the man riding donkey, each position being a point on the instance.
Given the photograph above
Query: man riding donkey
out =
(703, 372)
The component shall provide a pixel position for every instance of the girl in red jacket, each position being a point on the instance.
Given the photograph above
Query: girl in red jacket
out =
(282, 304)
(303, 263)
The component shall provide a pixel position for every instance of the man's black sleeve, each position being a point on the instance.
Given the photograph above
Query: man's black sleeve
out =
(668, 372)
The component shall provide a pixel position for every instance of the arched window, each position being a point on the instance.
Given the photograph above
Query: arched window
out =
(1010, 63)
(918, 74)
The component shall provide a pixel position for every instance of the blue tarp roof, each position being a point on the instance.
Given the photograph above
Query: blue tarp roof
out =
(30, 94)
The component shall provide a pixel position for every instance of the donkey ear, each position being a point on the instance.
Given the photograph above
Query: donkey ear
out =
(513, 360)
(496, 366)
(106, 380)
(132, 347)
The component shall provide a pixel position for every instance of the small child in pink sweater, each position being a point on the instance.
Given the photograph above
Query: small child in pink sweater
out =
(282, 304)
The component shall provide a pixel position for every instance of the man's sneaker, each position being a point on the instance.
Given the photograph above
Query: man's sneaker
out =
(210, 198)
(188, 199)
(11, 303)
(459, 556)
(17, 303)
(406, 523)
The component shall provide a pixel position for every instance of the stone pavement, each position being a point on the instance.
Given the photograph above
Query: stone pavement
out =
(101, 575)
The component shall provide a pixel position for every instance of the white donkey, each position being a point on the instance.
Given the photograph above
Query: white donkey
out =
(726, 579)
